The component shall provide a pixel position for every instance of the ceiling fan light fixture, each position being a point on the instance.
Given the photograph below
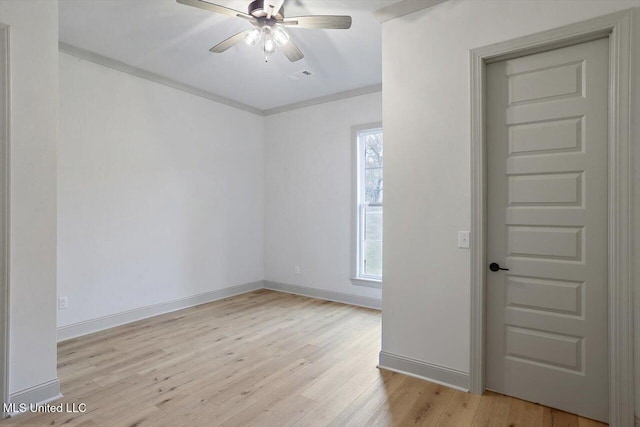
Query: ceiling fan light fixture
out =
(268, 19)
(253, 37)
(269, 46)
(280, 36)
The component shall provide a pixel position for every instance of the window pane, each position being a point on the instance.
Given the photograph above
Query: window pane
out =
(373, 161)
(373, 185)
(373, 150)
(370, 195)
(373, 241)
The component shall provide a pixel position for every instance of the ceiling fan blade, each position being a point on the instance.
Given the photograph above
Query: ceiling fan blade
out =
(230, 42)
(291, 51)
(319, 21)
(201, 4)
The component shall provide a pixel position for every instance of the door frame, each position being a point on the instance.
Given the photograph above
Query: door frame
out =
(618, 28)
(5, 123)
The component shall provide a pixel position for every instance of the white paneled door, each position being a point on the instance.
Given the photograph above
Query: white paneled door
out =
(547, 228)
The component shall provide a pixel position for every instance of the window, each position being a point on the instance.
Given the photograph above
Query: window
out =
(369, 196)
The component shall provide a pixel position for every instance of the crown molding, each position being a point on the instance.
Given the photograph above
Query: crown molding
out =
(148, 75)
(324, 99)
(402, 8)
(157, 78)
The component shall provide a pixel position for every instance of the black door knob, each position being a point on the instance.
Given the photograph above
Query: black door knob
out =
(494, 266)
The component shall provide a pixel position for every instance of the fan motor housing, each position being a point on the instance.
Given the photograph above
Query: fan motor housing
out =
(256, 9)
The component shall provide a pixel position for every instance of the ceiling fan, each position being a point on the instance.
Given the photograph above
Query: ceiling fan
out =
(269, 26)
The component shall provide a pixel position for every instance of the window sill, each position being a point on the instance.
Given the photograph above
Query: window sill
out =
(370, 283)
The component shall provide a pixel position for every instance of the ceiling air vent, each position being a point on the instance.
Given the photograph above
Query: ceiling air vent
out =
(301, 75)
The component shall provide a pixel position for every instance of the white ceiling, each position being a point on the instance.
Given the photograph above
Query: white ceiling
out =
(173, 40)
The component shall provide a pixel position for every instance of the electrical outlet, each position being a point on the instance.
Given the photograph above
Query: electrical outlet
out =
(296, 269)
(63, 302)
(463, 239)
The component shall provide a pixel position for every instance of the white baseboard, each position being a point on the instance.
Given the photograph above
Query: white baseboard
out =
(350, 299)
(36, 395)
(101, 323)
(424, 370)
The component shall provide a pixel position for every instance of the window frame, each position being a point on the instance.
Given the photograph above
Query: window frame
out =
(357, 278)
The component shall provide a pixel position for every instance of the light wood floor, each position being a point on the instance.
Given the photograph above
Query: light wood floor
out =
(262, 359)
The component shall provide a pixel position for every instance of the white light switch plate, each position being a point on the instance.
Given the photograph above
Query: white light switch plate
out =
(463, 239)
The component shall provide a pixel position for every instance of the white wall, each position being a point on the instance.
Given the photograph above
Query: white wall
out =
(308, 193)
(159, 193)
(34, 125)
(427, 156)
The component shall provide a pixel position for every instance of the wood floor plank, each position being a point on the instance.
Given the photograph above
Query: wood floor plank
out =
(493, 411)
(285, 412)
(555, 418)
(460, 411)
(415, 402)
(525, 414)
(263, 358)
(586, 422)
(361, 409)
(323, 411)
